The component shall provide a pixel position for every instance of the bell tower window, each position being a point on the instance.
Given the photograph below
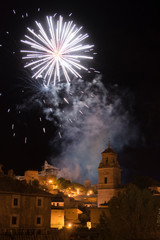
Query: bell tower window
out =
(105, 180)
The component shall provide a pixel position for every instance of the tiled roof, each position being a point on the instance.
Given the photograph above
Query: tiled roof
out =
(8, 184)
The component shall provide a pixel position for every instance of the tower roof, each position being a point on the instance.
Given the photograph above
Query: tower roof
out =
(109, 149)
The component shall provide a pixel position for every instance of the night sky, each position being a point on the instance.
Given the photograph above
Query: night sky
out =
(126, 37)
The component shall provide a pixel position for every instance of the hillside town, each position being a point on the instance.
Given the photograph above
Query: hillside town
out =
(39, 204)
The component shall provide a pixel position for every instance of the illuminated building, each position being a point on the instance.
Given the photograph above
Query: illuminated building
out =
(88, 200)
(57, 212)
(64, 212)
(44, 177)
(109, 176)
(48, 169)
(71, 216)
(31, 175)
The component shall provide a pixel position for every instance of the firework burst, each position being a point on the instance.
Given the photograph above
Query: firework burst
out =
(56, 50)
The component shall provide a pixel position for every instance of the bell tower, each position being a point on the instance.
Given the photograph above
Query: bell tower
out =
(109, 176)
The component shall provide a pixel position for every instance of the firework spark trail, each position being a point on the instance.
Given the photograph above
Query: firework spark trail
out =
(66, 100)
(56, 52)
(60, 135)
(25, 140)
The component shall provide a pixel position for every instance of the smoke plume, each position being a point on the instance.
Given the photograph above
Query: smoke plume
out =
(87, 121)
(86, 115)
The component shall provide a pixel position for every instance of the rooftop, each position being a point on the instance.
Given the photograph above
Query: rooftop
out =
(108, 149)
(8, 184)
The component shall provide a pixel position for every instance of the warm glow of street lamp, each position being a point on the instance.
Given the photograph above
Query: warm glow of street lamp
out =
(89, 192)
(69, 225)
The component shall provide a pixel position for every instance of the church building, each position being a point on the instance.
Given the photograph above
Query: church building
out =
(109, 177)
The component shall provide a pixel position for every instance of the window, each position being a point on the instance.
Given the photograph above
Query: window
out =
(14, 220)
(38, 220)
(15, 201)
(105, 180)
(39, 202)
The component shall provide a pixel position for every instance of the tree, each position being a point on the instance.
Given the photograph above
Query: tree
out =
(133, 215)
(81, 187)
(143, 182)
(63, 183)
(35, 183)
(85, 216)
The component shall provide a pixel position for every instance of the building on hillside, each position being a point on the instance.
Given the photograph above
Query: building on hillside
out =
(23, 207)
(45, 176)
(48, 169)
(109, 176)
(64, 212)
(57, 212)
(72, 217)
(31, 175)
(109, 184)
(88, 200)
(71, 212)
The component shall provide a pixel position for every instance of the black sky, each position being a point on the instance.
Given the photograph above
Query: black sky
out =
(126, 37)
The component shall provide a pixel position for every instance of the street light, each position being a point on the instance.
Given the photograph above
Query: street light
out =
(69, 225)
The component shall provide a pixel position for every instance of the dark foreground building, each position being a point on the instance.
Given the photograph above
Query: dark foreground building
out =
(23, 206)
